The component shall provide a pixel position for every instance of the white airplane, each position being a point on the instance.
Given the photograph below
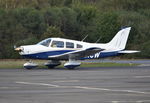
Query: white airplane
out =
(57, 49)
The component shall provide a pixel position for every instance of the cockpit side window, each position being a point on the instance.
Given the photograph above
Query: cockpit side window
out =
(57, 44)
(45, 42)
(79, 46)
(69, 45)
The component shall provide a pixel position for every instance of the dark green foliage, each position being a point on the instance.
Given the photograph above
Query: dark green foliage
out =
(107, 25)
(127, 5)
(27, 22)
(145, 48)
(85, 14)
(52, 31)
(67, 2)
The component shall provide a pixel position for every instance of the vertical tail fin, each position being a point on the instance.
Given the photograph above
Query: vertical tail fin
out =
(120, 39)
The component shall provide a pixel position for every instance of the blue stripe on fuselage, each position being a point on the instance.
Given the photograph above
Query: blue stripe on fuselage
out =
(101, 55)
(44, 55)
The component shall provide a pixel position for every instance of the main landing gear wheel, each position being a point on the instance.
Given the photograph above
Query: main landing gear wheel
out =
(72, 64)
(52, 64)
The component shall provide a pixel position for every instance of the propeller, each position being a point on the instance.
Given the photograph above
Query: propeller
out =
(19, 49)
(15, 46)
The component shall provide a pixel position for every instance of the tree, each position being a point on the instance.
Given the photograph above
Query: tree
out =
(52, 31)
(69, 23)
(107, 25)
(52, 16)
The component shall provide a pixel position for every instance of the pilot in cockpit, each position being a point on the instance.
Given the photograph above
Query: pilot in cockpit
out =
(54, 45)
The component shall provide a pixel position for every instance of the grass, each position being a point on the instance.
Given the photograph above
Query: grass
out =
(17, 63)
(106, 64)
(12, 64)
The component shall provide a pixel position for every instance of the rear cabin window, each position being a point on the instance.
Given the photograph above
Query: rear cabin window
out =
(79, 46)
(57, 44)
(69, 45)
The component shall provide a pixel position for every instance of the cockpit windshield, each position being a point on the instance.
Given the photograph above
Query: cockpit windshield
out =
(45, 42)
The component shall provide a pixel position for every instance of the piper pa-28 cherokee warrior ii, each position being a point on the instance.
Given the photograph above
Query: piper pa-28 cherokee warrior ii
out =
(57, 49)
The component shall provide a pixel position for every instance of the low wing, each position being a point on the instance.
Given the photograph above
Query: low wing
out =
(75, 55)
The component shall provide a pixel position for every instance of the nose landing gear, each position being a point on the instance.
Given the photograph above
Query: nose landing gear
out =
(30, 65)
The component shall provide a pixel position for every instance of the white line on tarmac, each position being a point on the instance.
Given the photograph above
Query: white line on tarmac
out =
(104, 89)
(140, 101)
(4, 87)
(130, 91)
(66, 81)
(82, 87)
(142, 76)
(42, 84)
(90, 88)
(8, 87)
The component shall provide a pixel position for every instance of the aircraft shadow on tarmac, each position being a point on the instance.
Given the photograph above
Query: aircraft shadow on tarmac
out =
(89, 68)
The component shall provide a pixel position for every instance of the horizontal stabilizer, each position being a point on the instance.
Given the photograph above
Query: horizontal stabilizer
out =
(128, 51)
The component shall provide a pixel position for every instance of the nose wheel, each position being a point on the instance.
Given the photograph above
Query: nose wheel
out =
(50, 64)
(30, 65)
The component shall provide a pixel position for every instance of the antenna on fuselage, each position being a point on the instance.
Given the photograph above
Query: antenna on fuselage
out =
(84, 37)
(98, 40)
